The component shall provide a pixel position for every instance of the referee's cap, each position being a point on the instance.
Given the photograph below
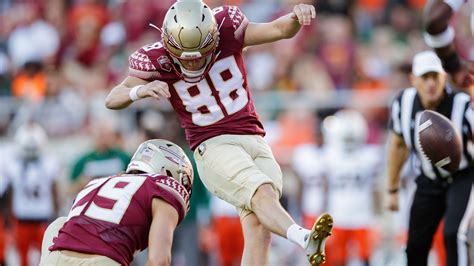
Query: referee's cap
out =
(426, 61)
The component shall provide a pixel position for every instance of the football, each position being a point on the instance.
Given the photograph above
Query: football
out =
(438, 140)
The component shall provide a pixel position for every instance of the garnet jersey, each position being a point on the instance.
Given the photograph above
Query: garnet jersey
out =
(220, 103)
(112, 216)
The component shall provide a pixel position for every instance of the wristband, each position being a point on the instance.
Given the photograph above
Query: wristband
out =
(393, 191)
(441, 39)
(133, 94)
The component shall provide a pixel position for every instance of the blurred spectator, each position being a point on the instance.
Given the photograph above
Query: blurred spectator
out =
(299, 118)
(31, 29)
(139, 14)
(61, 112)
(112, 39)
(283, 65)
(55, 15)
(318, 86)
(85, 21)
(30, 83)
(370, 72)
(337, 50)
(32, 188)
(403, 21)
(261, 66)
(340, 7)
(105, 158)
(372, 6)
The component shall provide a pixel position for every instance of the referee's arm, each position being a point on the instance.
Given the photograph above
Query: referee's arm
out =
(397, 155)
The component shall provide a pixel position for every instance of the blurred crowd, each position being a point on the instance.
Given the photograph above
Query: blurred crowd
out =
(59, 59)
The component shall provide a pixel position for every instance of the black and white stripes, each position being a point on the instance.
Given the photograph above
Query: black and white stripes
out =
(456, 106)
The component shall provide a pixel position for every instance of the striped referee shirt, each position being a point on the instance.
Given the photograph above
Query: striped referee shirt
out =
(456, 106)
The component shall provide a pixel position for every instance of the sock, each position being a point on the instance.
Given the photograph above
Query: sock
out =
(298, 235)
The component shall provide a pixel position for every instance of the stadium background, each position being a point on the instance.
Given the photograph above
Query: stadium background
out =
(59, 59)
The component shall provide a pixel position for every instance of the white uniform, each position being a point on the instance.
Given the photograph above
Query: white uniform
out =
(32, 185)
(351, 179)
(308, 165)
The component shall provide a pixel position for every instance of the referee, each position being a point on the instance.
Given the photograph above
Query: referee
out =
(438, 194)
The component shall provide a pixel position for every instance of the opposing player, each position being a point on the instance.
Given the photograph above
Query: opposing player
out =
(199, 67)
(114, 217)
(352, 168)
(30, 176)
(440, 36)
(313, 180)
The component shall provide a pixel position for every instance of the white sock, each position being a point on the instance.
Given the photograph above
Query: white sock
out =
(298, 235)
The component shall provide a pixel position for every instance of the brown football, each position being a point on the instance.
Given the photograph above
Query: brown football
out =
(439, 140)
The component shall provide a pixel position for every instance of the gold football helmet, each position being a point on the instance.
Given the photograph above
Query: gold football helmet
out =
(190, 32)
(158, 156)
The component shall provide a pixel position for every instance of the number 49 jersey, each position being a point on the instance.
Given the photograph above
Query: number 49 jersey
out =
(112, 216)
(220, 103)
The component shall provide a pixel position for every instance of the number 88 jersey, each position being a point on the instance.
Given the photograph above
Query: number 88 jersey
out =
(220, 103)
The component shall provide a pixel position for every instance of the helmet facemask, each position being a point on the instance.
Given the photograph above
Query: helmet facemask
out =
(190, 32)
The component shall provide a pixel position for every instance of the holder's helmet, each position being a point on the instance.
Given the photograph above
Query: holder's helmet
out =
(158, 156)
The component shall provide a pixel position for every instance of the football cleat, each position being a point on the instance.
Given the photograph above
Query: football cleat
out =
(317, 238)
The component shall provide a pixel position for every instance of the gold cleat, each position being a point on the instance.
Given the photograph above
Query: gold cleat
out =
(321, 230)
